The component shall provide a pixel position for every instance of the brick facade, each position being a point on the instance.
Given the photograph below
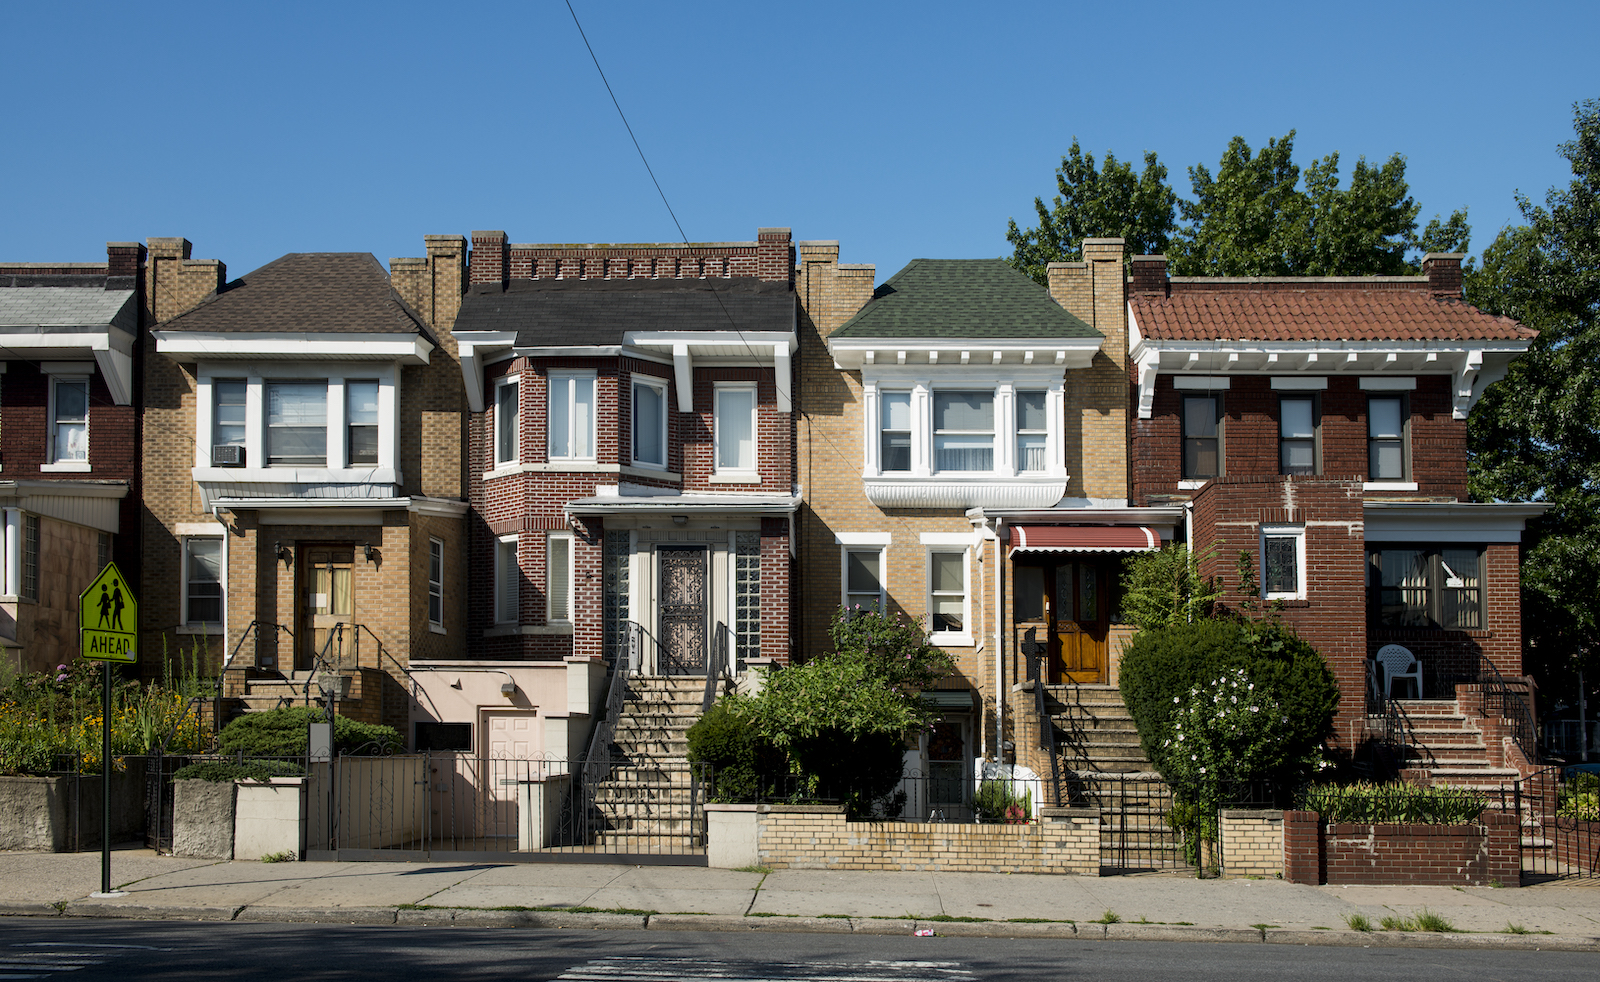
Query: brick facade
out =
(1341, 854)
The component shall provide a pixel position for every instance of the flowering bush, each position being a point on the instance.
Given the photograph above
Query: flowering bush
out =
(1225, 731)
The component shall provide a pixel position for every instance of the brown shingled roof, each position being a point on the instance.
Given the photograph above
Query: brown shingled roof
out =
(1314, 311)
(307, 292)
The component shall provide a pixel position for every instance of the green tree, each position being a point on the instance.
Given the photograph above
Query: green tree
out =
(1165, 587)
(1536, 434)
(1110, 201)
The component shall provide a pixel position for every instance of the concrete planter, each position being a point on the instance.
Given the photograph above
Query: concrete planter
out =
(202, 819)
(63, 814)
(269, 819)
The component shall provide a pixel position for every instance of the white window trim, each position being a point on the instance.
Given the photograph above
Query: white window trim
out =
(515, 422)
(1296, 532)
(187, 625)
(500, 579)
(336, 468)
(716, 427)
(562, 377)
(435, 544)
(1005, 423)
(660, 386)
(551, 615)
(67, 373)
(953, 638)
(845, 549)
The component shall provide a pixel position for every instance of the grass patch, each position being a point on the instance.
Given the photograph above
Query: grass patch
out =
(1109, 917)
(1265, 927)
(1427, 920)
(1358, 922)
(950, 919)
(287, 856)
(763, 870)
(1515, 929)
(1319, 927)
(840, 917)
(1389, 922)
(1036, 920)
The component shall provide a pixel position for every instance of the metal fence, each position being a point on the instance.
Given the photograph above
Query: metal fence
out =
(1558, 814)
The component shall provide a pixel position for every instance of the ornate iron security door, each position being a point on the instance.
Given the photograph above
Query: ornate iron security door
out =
(683, 610)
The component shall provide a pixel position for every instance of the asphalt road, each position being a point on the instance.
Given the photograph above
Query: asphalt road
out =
(131, 951)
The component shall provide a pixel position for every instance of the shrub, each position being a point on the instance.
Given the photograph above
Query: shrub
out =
(1162, 666)
(1223, 731)
(1580, 798)
(1165, 587)
(282, 733)
(997, 801)
(1364, 803)
(744, 766)
(227, 770)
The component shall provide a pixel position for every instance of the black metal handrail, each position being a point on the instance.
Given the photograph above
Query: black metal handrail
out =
(255, 627)
(716, 666)
(1035, 652)
(1501, 698)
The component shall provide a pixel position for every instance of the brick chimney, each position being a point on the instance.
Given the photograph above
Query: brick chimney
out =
(174, 282)
(1443, 270)
(1150, 274)
(774, 254)
(124, 258)
(489, 262)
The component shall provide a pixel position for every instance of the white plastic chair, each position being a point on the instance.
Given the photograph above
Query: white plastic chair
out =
(1399, 664)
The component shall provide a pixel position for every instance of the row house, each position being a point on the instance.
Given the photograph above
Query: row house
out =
(69, 426)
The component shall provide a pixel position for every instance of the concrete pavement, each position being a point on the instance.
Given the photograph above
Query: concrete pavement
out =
(586, 895)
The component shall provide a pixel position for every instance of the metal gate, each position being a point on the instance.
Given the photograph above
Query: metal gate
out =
(1559, 818)
(1135, 835)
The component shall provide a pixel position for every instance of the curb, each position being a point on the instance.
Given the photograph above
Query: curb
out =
(12, 908)
(317, 915)
(150, 912)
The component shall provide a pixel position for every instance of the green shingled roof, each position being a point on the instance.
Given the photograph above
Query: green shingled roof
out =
(962, 298)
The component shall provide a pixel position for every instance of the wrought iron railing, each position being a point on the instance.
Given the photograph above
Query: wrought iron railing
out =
(1505, 700)
(718, 668)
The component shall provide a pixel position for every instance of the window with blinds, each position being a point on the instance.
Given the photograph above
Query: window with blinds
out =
(963, 431)
(507, 581)
(558, 575)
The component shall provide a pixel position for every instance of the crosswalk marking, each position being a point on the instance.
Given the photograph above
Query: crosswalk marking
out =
(644, 969)
(42, 959)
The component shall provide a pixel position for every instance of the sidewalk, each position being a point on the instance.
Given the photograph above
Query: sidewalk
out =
(581, 895)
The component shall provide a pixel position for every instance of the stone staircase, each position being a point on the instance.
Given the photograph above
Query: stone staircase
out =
(645, 803)
(1447, 747)
(1095, 733)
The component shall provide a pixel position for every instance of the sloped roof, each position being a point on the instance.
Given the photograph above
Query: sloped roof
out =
(1314, 311)
(565, 312)
(59, 306)
(309, 293)
(962, 298)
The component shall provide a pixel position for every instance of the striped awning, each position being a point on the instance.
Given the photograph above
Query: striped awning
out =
(1084, 538)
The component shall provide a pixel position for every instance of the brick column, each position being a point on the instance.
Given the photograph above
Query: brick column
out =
(1302, 847)
(1505, 848)
(775, 567)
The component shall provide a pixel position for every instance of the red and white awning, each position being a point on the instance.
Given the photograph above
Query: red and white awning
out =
(1084, 538)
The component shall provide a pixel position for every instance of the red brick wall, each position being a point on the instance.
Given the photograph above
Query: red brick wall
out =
(776, 567)
(1250, 435)
(1408, 855)
(770, 258)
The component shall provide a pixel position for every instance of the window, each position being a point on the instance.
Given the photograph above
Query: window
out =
(202, 575)
(863, 579)
(649, 423)
(297, 424)
(228, 412)
(558, 578)
(963, 431)
(69, 420)
(30, 557)
(443, 736)
(1426, 586)
(506, 416)
(1283, 562)
(1386, 458)
(507, 581)
(895, 431)
(1202, 436)
(571, 416)
(1297, 435)
(947, 592)
(735, 435)
(1032, 432)
(435, 583)
(361, 422)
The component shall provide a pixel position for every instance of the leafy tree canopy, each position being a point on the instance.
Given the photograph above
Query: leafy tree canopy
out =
(1254, 217)
(1536, 434)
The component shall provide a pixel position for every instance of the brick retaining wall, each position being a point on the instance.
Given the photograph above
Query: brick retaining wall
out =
(1412, 855)
(1066, 840)
(1252, 842)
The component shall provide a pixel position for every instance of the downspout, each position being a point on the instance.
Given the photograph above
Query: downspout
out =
(999, 642)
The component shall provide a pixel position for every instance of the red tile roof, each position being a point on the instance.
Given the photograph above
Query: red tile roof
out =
(1313, 310)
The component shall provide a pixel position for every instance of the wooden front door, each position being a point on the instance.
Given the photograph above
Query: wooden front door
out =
(327, 599)
(1080, 622)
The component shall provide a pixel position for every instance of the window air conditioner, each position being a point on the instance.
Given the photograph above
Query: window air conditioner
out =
(227, 455)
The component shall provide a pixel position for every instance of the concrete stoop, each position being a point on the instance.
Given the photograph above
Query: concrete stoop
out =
(645, 804)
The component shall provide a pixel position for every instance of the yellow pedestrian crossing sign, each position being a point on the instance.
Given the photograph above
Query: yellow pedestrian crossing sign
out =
(108, 618)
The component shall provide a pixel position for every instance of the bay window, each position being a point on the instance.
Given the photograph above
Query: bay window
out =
(507, 414)
(228, 412)
(963, 430)
(361, 422)
(331, 422)
(1033, 432)
(571, 426)
(895, 431)
(649, 422)
(297, 423)
(507, 581)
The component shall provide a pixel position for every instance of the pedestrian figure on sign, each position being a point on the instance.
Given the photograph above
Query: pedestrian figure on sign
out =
(105, 605)
(116, 604)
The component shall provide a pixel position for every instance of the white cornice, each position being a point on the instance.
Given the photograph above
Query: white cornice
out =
(980, 491)
(1423, 521)
(185, 346)
(853, 354)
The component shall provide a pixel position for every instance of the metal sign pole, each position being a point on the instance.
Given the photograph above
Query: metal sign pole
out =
(105, 779)
(110, 607)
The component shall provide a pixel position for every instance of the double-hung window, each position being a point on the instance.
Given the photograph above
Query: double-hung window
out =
(894, 408)
(947, 592)
(507, 417)
(1283, 562)
(202, 576)
(1297, 435)
(69, 420)
(863, 578)
(361, 422)
(558, 578)
(650, 422)
(735, 436)
(1202, 436)
(571, 426)
(507, 581)
(228, 412)
(297, 423)
(436, 584)
(963, 430)
(1033, 432)
(1426, 586)
(1386, 451)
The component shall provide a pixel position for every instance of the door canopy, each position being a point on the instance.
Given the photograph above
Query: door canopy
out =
(1084, 538)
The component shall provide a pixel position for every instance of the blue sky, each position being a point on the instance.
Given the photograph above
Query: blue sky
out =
(902, 130)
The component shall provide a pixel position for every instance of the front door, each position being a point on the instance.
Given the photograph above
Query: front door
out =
(1080, 622)
(683, 594)
(327, 600)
